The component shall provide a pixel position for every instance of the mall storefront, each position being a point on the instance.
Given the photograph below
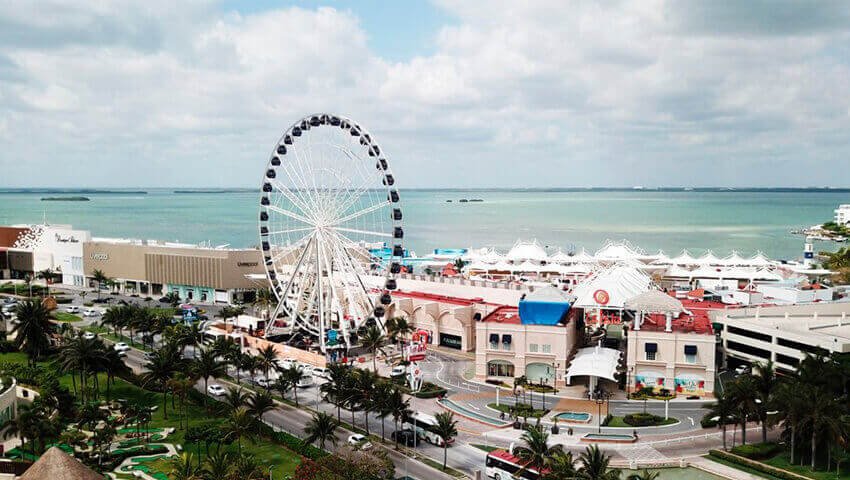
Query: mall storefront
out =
(198, 275)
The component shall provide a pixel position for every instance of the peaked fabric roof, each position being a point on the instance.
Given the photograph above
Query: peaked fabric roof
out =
(55, 464)
(527, 251)
(595, 362)
(560, 257)
(654, 301)
(620, 282)
(684, 258)
(549, 294)
(618, 251)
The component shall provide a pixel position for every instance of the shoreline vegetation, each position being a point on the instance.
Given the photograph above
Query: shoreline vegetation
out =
(829, 231)
(65, 199)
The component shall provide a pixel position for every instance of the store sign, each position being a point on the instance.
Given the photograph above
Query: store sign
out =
(601, 297)
(690, 385)
(99, 256)
(68, 239)
(247, 264)
(652, 380)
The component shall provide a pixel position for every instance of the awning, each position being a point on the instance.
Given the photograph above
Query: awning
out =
(690, 349)
(595, 362)
(651, 347)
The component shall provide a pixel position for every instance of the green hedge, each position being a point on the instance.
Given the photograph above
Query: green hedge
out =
(756, 465)
(757, 450)
(642, 419)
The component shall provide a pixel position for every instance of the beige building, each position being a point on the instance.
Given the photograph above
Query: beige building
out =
(674, 354)
(449, 321)
(195, 273)
(506, 348)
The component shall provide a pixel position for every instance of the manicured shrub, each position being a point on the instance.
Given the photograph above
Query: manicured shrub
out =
(757, 450)
(756, 465)
(642, 419)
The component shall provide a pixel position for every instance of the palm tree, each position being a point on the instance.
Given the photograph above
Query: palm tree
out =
(536, 452)
(218, 466)
(383, 392)
(723, 410)
(744, 394)
(45, 275)
(321, 427)
(595, 465)
(229, 312)
(282, 385)
(643, 475)
(161, 367)
(821, 416)
(260, 403)
(334, 390)
(207, 365)
(364, 395)
(398, 328)
(293, 376)
(32, 332)
(267, 360)
(373, 341)
(184, 468)
(100, 278)
(235, 398)
(399, 408)
(561, 466)
(792, 406)
(241, 424)
(263, 299)
(766, 383)
(446, 429)
(23, 425)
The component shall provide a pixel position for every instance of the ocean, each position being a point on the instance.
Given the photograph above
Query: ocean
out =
(746, 221)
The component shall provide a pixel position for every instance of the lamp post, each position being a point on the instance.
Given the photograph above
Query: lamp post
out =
(599, 402)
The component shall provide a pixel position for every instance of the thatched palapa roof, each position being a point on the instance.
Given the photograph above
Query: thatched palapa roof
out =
(55, 464)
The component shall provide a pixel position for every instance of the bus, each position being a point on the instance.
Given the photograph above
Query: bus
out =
(502, 465)
(424, 426)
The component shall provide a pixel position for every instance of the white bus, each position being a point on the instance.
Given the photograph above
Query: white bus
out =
(502, 465)
(424, 426)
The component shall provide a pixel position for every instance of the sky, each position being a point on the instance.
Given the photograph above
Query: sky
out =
(476, 93)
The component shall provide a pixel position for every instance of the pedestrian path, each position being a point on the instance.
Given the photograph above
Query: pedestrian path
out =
(722, 470)
(641, 453)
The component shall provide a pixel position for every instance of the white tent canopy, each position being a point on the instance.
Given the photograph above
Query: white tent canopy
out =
(654, 301)
(550, 294)
(620, 283)
(561, 258)
(582, 257)
(491, 256)
(527, 251)
(709, 259)
(615, 251)
(594, 362)
(684, 258)
(526, 266)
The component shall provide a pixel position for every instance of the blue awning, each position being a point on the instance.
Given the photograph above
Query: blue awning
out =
(651, 347)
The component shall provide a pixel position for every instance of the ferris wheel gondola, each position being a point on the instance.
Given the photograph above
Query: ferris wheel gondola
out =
(328, 201)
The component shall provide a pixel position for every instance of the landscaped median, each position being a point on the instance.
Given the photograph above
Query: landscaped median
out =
(756, 465)
(637, 420)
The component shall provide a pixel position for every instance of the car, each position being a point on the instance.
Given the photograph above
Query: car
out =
(398, 371)
(305, 368)
(164, 300)
(147, 356)
(216, 390)
(90, 312)
(121, 347)
(89, 336)
(321, 372)
(305, 381)
(288, 363)
(359, 441)
(73, 309)
(10, 301)
(406, 437)
(742, 369)
(264, 382)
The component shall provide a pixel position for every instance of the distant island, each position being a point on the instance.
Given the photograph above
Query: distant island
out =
(65, 199)
(223, 190)
(71, 191)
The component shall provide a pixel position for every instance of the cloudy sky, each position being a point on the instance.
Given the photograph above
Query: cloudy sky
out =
(459, 93)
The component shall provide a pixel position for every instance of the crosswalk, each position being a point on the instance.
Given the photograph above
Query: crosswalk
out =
(641, 453)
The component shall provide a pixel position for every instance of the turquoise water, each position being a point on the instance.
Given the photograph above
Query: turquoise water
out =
(652, 220)
(574, 416)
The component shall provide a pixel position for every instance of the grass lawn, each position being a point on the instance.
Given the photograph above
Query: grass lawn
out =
(536, 413)
(782, 461)
(284, 460)
(741, 467)
(486, 448)
(64, 316)
(617, 421)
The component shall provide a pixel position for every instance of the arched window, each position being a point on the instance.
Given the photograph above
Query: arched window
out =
(500, 368)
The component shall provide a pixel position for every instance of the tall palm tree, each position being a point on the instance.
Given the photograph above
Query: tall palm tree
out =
(383, 391)
(792, 406)
(397, 329)
(595, 465)
(293, 376)
(207, 365)
(766, 382)
(744, 394)
(537, 452)
(282, 385)
(373, 341)
(29, 415)
(260, 403)
(229, 312)
(32, 332)
(321, 427)
(561, 466)
(399, 408)
(235, 398)
(723, 410)
(821, 416)
(334, 390)
(267, 361)
(100, 278)
(240, 424)
(446, 429)
(45, 275)
(161, 367)
(364, 399)
(264, 299)
(183, 467)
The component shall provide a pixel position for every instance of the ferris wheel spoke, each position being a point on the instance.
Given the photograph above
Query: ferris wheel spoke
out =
(292, 230)
(354, 215)
(295, 200)
(356, 193)
(289, 214)
(364, 232)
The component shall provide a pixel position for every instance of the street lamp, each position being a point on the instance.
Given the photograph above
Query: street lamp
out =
(599, 402)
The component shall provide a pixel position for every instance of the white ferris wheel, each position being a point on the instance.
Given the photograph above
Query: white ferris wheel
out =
(330, 230)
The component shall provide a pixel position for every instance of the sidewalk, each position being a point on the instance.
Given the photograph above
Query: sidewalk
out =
(716, 468)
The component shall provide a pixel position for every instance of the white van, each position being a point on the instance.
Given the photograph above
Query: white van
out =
(321, 372)
(305, 381)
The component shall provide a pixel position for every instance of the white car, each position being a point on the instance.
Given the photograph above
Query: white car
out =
(264, 382)
(288, 363)
(89, 336)
(305, 381)
(73, 309)
(742, 369)
(305, 368)
(360, 441)
(398, 371)
(216, 390)
(90, 312)
(121, 347)
(321, 372)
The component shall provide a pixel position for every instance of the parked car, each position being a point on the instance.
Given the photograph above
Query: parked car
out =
(405, 437)
(305, 368)
(305, 381)
(90, 312)
(742, 370)
(264, 382)
(321, 372)
(288, 363)
(359, 441)
(216, 390)
(398, 371)
(89, 336)
(121, 347)
(73, 309)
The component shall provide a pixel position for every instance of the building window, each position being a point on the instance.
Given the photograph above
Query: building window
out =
(650, 355)
(506, 342)
(546, 348)
(690, 354)
(500, 368)
(651, 349)
(814, 350)
(750, 334)
(494, 341)
(748, 349)
(532, 347)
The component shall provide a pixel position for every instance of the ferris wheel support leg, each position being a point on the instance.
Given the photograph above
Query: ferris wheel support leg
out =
(282, 298)
(321, 301)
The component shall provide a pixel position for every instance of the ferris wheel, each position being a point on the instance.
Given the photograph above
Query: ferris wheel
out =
(330, 229)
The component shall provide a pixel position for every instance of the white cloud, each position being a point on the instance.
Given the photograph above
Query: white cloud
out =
(517, 93)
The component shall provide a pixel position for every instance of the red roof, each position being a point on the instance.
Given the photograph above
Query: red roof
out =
(441, 298)
(504, 314)
(698, 322)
